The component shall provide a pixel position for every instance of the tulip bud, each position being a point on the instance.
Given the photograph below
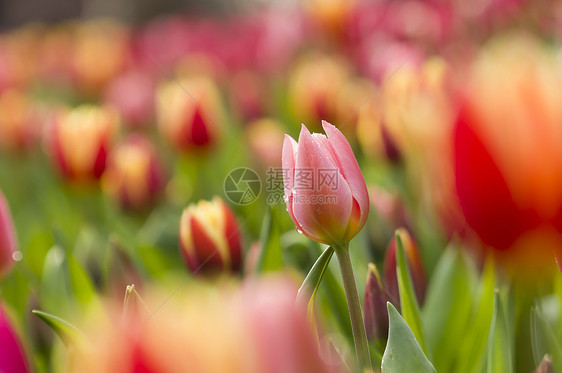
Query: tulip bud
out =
(186, 112)
(12, 357)
(8, 244)
(209, 237)
(376, 317)
(79, 140)
(325, 191)
(134, 174)
(545, 366)
(414, 264)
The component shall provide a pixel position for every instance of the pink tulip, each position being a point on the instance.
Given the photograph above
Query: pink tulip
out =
(12, 356)
(7, 237)
(325, 191)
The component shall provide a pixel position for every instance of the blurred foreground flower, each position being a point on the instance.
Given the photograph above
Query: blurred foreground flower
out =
(12, 353)
(508, 154)
(78, 141)
(257, 328)
(8, 244)
(134, 174)
(187, 110)
(331, 205)
(209, 237)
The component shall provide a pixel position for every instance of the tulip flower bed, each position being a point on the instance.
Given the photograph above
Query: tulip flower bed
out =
(163, 209)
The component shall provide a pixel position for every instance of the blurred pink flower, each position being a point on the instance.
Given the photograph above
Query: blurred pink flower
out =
(12, 355)
(8, 243)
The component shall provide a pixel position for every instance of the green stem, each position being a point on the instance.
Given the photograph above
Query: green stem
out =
(355, 313)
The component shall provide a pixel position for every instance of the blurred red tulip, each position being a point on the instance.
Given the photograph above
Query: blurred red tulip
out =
(12, 353)
(78, 141)
(209, 237)
(8, 243)
(188, 111)
(313, 97)
(331, 204)
(134, 175)
(508, 154)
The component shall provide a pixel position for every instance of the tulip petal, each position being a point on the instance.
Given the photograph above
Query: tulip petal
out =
(323, 210)
(288, 160)
(7, 238)
(341, 151)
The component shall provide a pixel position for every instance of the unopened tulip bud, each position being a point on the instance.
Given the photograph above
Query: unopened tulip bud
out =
(12, 355)
(78, 141)
(134, 174)
(325, 191)
(376, 317)
(8, 244)
(209, 237)
(188, 111)
(414, 264)
(545, 365)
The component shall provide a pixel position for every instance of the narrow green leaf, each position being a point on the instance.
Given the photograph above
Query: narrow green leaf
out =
(307, 291)
(473, 348)
(408, 302)
(447, 309)
(67, 332)
(271, 256)
(499, 344)
(544, 340)
(82, 285)
(403, 354)
(55, 291)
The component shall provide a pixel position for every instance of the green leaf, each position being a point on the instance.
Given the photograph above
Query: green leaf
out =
(448, 308)
(499, 343)
(55, 291)
(473, 347)
(271, 256)
(544, 340)
(403, 354)
(82, 285)
(65, 330)
(408, 302)
(307, 291)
